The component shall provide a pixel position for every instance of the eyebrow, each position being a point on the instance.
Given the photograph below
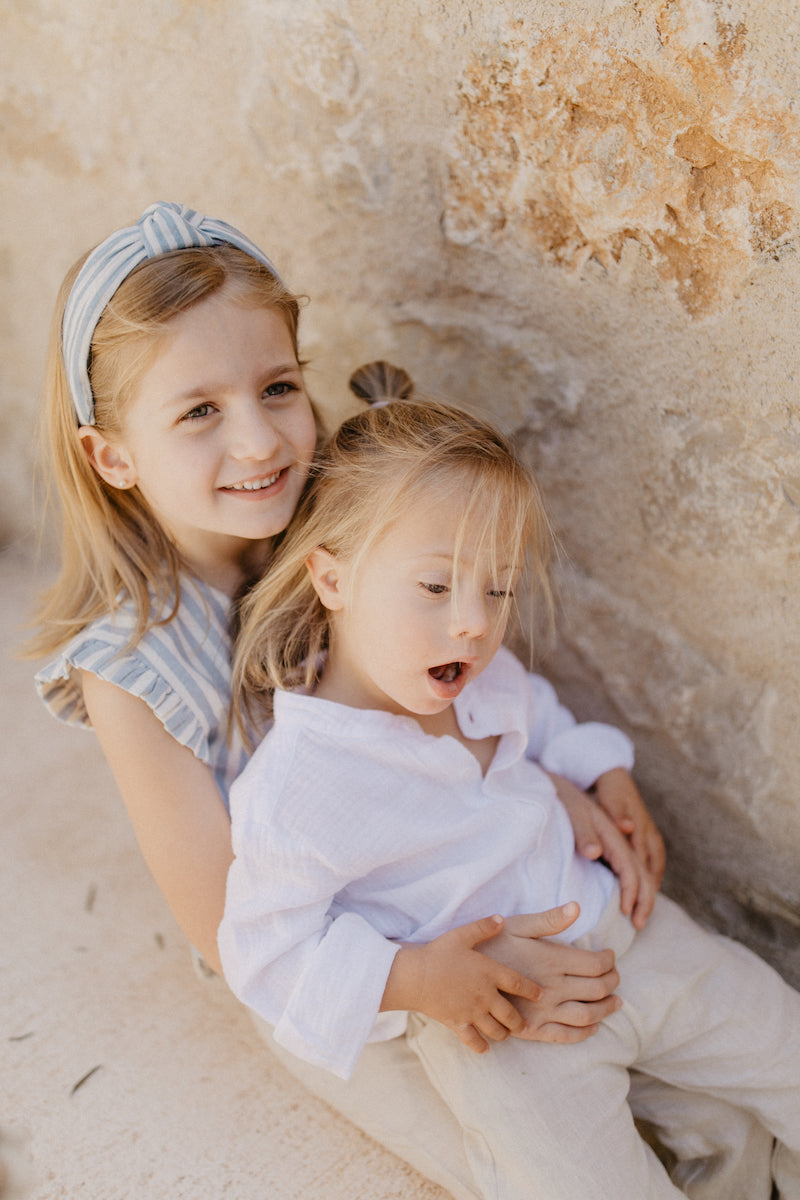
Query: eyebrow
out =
(448, 558)
(202, 391)
(193, 393)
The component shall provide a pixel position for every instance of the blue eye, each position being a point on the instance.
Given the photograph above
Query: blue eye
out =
(195, 414)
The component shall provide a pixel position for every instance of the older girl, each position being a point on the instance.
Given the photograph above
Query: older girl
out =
(180, 435)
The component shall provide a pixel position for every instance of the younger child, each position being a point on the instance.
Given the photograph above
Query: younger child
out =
(399, 793)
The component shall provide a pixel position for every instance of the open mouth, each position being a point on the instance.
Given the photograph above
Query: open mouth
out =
(447, 672)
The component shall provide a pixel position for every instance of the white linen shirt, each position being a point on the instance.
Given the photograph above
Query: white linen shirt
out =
(353, 828)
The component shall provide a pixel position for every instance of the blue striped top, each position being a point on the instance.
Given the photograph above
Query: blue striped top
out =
(182, 671)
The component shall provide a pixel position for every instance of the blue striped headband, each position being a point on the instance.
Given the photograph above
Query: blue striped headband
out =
(163, 227)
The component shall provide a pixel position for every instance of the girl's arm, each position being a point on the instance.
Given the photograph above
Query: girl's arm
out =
(619, 796)
(174, 805)
(598, 756)
(597, 835)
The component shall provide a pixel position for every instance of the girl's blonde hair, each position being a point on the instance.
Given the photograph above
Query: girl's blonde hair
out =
(364, 477)
(112, 544)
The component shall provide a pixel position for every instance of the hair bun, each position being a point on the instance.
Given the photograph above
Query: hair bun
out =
(380, 381)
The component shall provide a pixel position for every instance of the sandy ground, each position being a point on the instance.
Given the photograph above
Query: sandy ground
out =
(123, 1075)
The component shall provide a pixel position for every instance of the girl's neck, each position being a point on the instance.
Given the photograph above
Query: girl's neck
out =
(232, 572)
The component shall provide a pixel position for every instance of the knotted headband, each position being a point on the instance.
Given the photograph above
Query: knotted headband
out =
(163, 227)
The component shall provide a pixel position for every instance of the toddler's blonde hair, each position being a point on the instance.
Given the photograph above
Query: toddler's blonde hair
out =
(365, 476)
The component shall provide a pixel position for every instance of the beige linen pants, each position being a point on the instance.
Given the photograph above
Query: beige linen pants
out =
(700, 1013)
(720, 1152)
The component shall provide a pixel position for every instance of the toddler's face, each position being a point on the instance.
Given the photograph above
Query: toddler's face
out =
(415, 624)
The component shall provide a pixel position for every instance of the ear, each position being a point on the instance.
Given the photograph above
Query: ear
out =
(110, 460)
(328, 577)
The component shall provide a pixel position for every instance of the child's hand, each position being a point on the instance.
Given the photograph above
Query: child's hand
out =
(451, 981)
(577, 986)
(598, 836)
(619, 796)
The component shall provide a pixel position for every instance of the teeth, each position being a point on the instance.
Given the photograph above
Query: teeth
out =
(447, 673)
(254, 485)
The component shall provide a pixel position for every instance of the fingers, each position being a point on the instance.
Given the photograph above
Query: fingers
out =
(640, 878)
(581, 989)
(617, 851)
(598, 989)
(509, 1018)
(579, 1015)
(587, 844)
(645, 900)
(580, 810)
(469, 1035)
(475, 1036)
(619, 796)
(544, 924)
(513, 984)
(492, 1029)
(551, 962)
(656, 855)
(649, 848)
(626, 866)
(648, 844)
(595, 964)
(571, 1021)
(479, 931)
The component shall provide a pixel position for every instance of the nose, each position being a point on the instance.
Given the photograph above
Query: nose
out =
(252, 433)
(469, 615)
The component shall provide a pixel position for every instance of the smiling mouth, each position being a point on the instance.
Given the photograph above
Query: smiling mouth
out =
(254, 485)
(447, 672)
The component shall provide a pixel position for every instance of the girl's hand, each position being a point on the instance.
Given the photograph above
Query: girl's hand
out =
(577, 986)
(619, 796)
(598, 836)
(451, 981)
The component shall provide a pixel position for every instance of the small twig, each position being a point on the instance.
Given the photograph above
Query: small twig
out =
(91, 895)
(21, 1037)
(83, 1079)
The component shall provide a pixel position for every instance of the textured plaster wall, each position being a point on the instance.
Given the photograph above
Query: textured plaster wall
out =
(579, 214)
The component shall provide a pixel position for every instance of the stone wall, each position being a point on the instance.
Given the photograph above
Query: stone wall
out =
(578, 214)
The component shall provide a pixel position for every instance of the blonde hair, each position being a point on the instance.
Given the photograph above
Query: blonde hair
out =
(360, 483)
(112, 544)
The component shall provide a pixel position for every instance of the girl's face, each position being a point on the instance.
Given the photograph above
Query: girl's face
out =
(413, 627)
(219, 433)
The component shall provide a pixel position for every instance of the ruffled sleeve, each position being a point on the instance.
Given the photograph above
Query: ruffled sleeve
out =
(180, 669)
(59, 686)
